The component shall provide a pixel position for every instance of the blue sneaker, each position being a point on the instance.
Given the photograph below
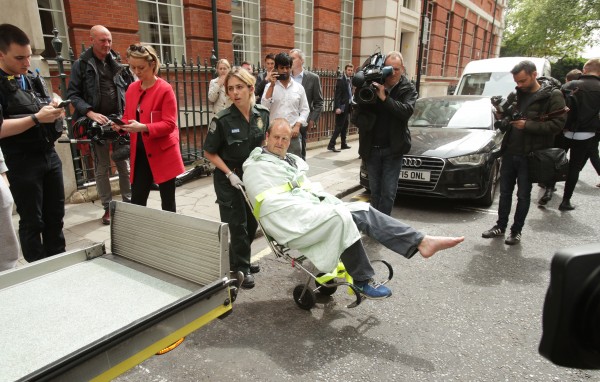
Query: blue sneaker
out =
(373, 290)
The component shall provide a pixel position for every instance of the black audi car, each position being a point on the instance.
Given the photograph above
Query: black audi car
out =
(453, 150)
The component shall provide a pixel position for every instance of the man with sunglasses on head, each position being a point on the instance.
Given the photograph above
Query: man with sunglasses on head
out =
(97, 90)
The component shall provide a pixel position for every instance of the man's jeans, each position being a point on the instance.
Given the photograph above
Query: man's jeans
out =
(514, 171)
(102, 166)
(384, 172)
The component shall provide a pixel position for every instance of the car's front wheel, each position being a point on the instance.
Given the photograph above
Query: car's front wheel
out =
(488, 199)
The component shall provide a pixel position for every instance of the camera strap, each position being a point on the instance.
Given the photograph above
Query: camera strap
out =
(553, 114)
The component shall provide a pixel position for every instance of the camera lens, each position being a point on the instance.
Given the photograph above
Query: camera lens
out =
(367, 94)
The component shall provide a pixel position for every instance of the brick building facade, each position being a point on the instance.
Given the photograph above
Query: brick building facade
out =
(458, 30)
(461, 31)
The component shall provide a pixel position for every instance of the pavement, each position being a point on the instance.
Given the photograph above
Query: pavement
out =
(337, 172)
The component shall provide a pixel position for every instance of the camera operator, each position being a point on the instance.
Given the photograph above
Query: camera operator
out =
(97, 89)
(384, 134)
(524, 133)
(31, 125)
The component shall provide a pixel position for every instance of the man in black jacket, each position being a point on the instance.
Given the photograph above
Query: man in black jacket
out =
(264, 77)
(383, 132)
(341, 105)
(32, 123)
(522, 136)
(583, 98)
(97, 90)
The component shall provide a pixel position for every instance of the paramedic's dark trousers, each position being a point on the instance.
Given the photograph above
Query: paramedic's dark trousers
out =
(242, 225)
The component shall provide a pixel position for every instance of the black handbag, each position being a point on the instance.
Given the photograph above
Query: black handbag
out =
(548, 165)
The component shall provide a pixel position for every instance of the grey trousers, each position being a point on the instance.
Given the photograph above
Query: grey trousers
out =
(388, 231)
(9, 249)
(102, 169)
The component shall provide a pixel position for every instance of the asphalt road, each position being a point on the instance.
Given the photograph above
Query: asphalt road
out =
(472, 313)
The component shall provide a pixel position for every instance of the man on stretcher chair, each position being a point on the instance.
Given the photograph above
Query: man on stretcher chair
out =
(300, 215)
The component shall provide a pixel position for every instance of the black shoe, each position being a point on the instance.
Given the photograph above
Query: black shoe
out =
(346, 147)
(546, 198)
(513, 238)
(248, 282)
(566, 205)
(254, 268)
(333, 149)
(495, 231)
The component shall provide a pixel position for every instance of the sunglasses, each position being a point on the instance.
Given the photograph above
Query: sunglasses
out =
(137, 48)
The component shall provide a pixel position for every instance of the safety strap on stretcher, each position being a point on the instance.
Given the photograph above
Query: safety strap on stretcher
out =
(286, 187)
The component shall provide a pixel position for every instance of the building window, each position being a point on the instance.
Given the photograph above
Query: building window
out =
(409, 4)
(245, 18)
(161, 25)
(303, 28)
(347, 21)
(447, 35)
(427, 38)
(461, 46)
(52, 15)
(474, 51)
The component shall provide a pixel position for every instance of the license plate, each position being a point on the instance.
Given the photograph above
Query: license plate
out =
(418, 176)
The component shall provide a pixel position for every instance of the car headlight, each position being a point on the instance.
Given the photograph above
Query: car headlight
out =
(469, 160)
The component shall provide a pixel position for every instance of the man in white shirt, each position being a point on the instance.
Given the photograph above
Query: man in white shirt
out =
(285, 98)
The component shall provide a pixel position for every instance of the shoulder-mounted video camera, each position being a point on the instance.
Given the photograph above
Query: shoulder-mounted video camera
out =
(507, 110)
(372, 70)
(571, 318)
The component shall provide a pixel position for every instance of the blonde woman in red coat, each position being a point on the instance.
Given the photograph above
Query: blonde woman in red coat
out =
(150, 115)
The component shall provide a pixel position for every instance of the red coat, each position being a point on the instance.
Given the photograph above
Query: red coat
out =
(158, 111)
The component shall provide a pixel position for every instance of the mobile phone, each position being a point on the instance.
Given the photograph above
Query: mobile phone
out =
(63, 103)
(118, 121)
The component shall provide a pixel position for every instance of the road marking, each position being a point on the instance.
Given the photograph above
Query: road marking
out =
(261, 254)
(481, 210)
(361, 198)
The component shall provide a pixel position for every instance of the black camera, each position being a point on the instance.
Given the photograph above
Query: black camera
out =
(507, 110)
(372, 70)
(98, 133)
(571, 319)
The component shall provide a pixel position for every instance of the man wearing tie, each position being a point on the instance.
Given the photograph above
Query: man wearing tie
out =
(341, 103)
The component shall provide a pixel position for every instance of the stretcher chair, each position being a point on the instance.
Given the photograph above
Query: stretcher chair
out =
(326, 284)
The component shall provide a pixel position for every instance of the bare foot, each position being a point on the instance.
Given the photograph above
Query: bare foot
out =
(431, 244)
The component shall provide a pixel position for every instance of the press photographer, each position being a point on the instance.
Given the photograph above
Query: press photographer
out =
(384, 101)
(97, 88)
(534, 100)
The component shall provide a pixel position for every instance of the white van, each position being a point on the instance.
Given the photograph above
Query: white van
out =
(492, 77)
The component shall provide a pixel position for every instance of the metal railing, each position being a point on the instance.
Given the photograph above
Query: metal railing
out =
(190, 81)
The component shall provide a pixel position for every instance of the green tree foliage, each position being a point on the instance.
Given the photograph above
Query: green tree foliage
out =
(561, 67)
(549, 28)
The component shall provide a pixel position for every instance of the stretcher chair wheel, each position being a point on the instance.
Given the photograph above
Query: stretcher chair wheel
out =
(387, 266)
(305, 298)
(323, 288)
